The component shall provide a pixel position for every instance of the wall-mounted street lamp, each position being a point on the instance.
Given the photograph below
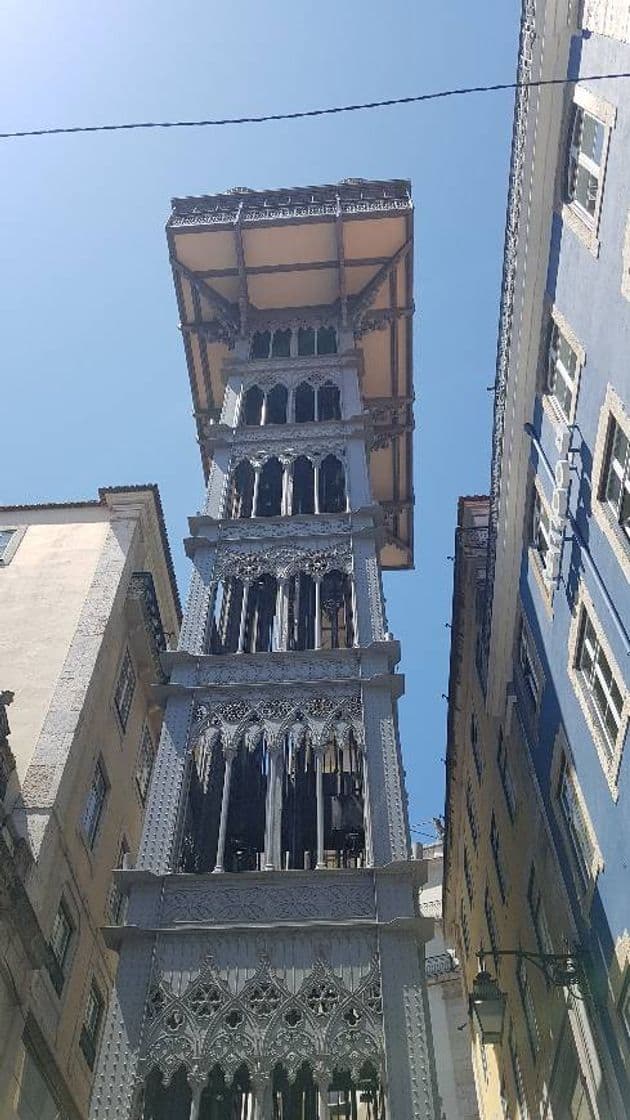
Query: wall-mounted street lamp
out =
(487, 1002)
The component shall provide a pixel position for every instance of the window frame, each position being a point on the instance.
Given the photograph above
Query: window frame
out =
(90, 834)
(623, 475)
(613, 410)
(491, 925)
(529, 1007)
(57, 966)
(10, 548)
(530, 669)
(90, 1031)
(576, 217)
(143, 789)
(561, 764)
(124, 691)
(474, 744)
(559, 326)
(608, 751)
(495, 848)
(115, 898)
(471, 813)
(507, 781)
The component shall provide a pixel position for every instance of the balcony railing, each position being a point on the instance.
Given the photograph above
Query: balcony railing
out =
(440, 964)
(142, 592)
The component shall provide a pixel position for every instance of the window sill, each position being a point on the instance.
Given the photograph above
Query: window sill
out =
(546, 589)
(587, 234)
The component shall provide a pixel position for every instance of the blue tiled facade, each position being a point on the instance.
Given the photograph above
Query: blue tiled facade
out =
(584, 284)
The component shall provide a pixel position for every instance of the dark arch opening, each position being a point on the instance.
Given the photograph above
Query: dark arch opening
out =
(360, 1099)
(167, 1102)
(301, 612)
(328, 402)
(226, 616)
(294, 1100)
(245, 837)
(242, 490)
(281, 344)
(277, 405)
(221, 1100)
(303, 499)
(260, 344)
(336, 611)
(252, 406)
(304, 403)
(306, 342)
(326, 340)
(332, 485)
(269, 503)
(261, 611)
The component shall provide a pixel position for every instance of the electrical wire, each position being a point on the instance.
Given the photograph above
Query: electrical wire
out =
(435, 95)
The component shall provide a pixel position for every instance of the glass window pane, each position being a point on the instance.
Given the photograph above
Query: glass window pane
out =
(585, 189)
(592, 139)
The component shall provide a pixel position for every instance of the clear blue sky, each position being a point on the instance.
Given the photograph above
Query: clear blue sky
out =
(94, 385)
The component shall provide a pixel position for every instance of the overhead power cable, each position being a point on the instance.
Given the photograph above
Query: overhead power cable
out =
(300, 114)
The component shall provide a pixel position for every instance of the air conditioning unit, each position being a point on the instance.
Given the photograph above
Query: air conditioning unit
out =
(563, 474)
(560, 503)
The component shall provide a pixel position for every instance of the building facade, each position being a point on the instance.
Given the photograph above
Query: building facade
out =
(87, 595)
(457, 1098)
(538, 828)
(270, 961)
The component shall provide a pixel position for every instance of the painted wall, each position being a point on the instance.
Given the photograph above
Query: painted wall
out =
(587, 289)
(42, 591)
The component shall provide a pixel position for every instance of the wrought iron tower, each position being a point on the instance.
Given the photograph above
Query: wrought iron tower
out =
(271, 954)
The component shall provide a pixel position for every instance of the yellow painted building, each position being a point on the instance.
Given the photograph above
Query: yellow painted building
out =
(88, 602)
(503, 890)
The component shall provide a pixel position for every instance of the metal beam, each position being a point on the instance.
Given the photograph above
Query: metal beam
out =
(362, 301)
(224, 309)
(243, 296)
(341, 263)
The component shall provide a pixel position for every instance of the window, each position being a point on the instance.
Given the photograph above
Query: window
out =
(527, 662)
(6, 536)
(94, 804)
(575, 821)
(475, 747)
(541, 527)
(586, 164)
(517, 1073)
(491, 923)
(144, 769)
(465, 928)
(125, 689)
(115, 898)
(472, 816)
(537, 914)
(563, 370)
(60, 938)
(506, 776)
(9, 541)
(468, 876)
(92, 1020)
(598, 681)
(617, 482)
(496, 855)
(529, 1008)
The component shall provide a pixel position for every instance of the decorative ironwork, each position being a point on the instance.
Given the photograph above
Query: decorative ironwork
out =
(142, 591)
(506, 314)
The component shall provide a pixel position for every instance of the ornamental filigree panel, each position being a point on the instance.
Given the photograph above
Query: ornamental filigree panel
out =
(213, 902)
(266, 1021)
